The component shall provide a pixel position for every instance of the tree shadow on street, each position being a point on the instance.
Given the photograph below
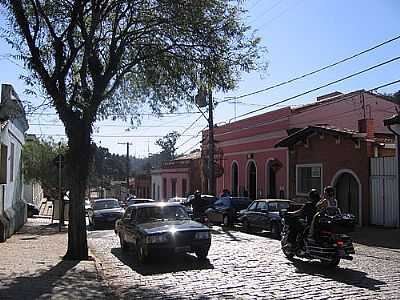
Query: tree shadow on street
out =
(46, 283)
(229, 232)
(160, 264)
(343, 275)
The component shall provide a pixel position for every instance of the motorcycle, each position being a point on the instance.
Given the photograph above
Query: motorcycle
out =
(331, 243)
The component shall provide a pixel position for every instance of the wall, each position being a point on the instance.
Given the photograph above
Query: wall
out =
(345, 111)
(156, 181)
(257, 135)
(325, 151)
(179, 174)
(13, 207)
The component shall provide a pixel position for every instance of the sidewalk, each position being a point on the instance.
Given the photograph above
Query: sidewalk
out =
(31, 267)
(377, 237)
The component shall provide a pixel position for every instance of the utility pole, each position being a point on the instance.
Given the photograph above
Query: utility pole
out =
(127, 165)
(59, 162)
(211, 166)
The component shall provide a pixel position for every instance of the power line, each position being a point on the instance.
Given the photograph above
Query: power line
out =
(109, 125)
(124, 115)
(320, 87)
(312, 72)
(190, 126)
(313, 108)
(111, 136)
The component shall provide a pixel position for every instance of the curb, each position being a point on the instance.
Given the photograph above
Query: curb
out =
(101, 277)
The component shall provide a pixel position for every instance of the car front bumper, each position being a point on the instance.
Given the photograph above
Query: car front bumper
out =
(172, 247)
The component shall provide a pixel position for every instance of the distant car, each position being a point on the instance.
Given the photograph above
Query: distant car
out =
(177, 200)
(105, 212)
(133, 201)
(162, 227)
(226, 210)
(32, 210)
(263, 214)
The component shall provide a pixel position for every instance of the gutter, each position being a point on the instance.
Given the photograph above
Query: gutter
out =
(398, 169)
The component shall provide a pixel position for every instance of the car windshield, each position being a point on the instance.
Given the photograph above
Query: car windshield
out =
(278, 206)
(106, 204)
(161, 213)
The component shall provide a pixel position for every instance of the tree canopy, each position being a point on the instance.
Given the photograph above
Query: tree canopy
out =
(38, 165)
(168, 145)
(108, 58)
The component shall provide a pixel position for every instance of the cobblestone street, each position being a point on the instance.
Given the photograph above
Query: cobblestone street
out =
(244, 266)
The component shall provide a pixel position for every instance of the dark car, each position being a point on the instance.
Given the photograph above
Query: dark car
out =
(133, 201)
(226, 210)
(32, 210)
(263, 214)
(105, 212)
(161, 227)
(207, 201)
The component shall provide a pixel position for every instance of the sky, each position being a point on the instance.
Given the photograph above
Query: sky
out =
(299, 35)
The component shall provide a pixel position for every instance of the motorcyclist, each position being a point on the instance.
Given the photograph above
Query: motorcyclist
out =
(326, 204)
(197, 205)
(307, 212)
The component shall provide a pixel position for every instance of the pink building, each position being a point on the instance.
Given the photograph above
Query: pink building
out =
(177, 178)
(246, 149)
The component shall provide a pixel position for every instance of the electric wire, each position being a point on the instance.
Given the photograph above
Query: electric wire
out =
(319, 87)
(312, 72)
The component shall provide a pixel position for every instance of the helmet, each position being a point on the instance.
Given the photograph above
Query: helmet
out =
(329, 191)
(313, 195)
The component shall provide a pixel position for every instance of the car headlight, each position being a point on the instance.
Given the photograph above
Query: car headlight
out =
(156, 239)
(202, 235)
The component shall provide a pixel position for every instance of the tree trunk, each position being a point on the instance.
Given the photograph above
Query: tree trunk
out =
(78, 160)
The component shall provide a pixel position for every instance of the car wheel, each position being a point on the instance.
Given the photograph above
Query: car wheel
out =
(246, 226)
(140, 253)
(202, 254)
(225, 221)
(124, 245)
(276, 230)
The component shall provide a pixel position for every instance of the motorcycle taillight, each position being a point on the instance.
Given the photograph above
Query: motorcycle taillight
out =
(339, 243)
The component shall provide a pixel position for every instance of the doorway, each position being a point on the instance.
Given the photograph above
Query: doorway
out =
(252, 180)
(347, 194)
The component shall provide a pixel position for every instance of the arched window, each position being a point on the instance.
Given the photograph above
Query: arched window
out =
(235, 178)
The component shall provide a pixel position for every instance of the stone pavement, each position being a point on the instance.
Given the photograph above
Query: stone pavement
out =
(31, 267)
(244, 266)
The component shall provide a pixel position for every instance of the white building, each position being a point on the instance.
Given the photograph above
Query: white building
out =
(156, 185)
(13, 125)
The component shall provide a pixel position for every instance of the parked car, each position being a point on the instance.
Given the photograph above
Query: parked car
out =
(226, 210)
(32, 210)
(263, 214)
(177, 200)
(105, 212)
(208, 201)
(162, 227)
(133, 201)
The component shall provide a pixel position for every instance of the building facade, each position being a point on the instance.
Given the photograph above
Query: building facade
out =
(13, 125)
(320, 156)
(250, 161)
(177, 178)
